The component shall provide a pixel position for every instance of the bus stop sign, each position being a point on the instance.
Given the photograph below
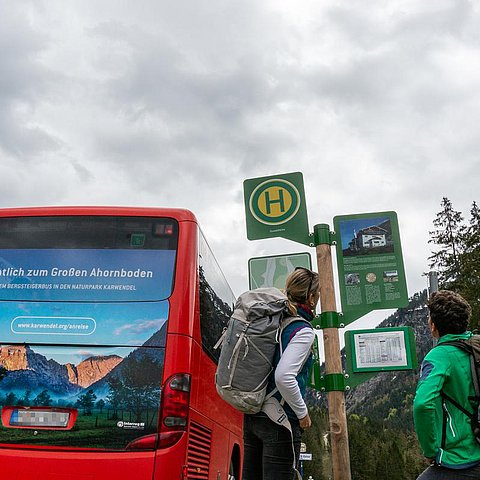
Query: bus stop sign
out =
(275, 207)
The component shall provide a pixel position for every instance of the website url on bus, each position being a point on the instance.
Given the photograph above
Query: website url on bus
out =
(53, 325)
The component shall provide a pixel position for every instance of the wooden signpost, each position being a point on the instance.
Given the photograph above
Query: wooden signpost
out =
(333, 364)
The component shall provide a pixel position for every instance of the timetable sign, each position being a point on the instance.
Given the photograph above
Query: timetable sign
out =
(380, 349)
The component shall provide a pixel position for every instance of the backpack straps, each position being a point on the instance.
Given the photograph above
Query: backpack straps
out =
(456, 404)
(466, 347)
(287, 321)
(284, 324)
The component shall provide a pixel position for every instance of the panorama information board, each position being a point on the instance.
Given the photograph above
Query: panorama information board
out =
(272, 271)
(370, 263)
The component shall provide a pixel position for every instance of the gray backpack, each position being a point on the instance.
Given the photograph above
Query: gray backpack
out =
(248, 348)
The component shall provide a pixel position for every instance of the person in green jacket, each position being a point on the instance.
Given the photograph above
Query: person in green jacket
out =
(443, 431)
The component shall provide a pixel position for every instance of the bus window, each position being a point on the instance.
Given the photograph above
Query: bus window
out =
(216, 300)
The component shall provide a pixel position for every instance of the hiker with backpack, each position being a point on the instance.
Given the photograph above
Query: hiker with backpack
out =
(271, 441)
(446, 400)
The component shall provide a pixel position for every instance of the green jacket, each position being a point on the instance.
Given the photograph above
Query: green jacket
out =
(443, 431)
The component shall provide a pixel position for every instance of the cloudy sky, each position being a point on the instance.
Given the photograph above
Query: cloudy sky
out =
(158, 103)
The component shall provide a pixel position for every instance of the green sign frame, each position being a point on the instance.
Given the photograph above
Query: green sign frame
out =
(370, 263)
(272, 271)
(275, 207)
(315, 380)
(375, 350)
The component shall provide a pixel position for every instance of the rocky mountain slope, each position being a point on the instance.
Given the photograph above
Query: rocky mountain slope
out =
(92, 369)
(33, 371)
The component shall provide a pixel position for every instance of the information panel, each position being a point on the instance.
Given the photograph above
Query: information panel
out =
(370, 263)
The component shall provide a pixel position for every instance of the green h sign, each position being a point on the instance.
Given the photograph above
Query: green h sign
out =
(275, 207)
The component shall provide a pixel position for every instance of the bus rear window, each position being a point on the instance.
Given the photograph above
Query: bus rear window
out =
(87, 258)
(135, 233)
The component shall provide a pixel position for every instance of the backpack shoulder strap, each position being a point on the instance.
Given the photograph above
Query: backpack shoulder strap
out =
(462, 344)
(456, 404)
(286, 322)
(474, 344)
(472, 347)
(289, 319)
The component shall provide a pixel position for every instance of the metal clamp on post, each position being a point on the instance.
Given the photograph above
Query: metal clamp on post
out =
(322, 235)
(328, 320)
(332, 382)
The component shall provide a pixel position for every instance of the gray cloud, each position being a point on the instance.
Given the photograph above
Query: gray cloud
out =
(174, 104)
(23, 80)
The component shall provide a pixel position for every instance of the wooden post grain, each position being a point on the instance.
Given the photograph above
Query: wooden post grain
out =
(333, 365)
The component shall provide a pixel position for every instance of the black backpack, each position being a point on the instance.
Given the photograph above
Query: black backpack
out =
(472, 347)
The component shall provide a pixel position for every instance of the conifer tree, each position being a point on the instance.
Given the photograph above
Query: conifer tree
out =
(448, 236)
(43, 399)
(100, 405)
(472, 241)
(458, 258)
(469, 281)
(86, 401)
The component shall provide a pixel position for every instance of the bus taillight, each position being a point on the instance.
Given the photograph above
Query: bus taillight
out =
(174, 409)
(148, 442)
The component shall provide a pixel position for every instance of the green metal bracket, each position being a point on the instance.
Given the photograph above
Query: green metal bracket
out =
(353, 380)
(322, 234)
(332, 382)
(328, 320)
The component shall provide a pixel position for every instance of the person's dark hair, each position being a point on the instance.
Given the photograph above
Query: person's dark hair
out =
(449, 311)
(299, 285)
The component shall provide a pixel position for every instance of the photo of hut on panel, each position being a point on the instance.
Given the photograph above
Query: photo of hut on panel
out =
(366, 236)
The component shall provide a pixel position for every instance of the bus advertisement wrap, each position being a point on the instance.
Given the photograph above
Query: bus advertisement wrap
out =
(86, 274)
(80, 331)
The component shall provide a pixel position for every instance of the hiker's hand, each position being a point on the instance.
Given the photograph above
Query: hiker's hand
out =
(305, 422)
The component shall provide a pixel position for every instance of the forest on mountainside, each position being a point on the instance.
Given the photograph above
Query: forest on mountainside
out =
(382, 439)
(456, 255)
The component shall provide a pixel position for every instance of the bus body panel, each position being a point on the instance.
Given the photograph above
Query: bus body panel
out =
(207, 394)
(226, 429)
(44, 464)
(177, 213)
(183, 300)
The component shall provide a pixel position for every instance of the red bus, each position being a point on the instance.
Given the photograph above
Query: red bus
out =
(108, 318)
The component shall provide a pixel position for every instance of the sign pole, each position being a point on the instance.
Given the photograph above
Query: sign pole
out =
(333, 365)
